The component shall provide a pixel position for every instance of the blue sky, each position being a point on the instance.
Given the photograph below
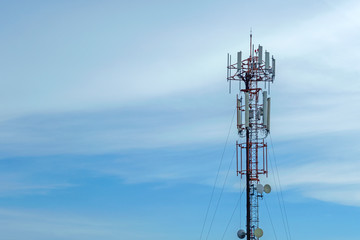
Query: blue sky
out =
(115, 114)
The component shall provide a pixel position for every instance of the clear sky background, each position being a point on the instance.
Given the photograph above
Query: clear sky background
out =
(114, 116)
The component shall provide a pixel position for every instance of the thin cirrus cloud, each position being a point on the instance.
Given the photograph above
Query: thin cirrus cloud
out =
(56, 225)
(331, 181)
(97, 132)
(306, 96)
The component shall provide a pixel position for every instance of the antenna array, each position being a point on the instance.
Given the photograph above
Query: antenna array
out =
(253, 122)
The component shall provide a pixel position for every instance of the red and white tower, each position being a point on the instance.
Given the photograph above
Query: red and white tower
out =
(254, 75)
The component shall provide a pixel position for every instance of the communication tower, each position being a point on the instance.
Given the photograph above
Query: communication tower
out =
(254, 75)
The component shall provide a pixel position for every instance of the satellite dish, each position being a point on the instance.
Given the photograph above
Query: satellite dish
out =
(267, 188)
(260, 188)
(258, 232)
(241, 234)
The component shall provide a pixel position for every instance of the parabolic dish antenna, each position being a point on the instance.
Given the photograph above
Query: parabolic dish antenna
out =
(267, 188)
(241, 234)
(260, 188)
(258, 232)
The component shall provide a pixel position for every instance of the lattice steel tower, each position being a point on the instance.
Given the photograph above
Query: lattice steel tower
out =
(253, 123)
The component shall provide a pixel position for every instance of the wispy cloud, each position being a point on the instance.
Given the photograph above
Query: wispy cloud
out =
(323, 167)
(25, 182)
(31, 224)
(164, 94)
(152, 125)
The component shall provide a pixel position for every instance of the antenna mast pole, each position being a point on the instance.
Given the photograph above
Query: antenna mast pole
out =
(254, 126)
(248, 199)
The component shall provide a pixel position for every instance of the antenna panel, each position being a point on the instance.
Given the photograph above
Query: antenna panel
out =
(273, 66)
(267, 60)
(246, 109)
(260, 54)
(265, 108)
(239, 60)
(238, 109)
(268, 114)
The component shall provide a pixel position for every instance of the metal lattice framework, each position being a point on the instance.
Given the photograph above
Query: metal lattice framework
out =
(256, 74)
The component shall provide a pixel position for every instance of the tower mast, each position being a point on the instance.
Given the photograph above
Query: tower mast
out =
(254, 126)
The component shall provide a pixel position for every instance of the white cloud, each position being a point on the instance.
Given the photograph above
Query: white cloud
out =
(316, 91)
(345, 194)
(23, 182)
(30, 224)
(328, 170)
